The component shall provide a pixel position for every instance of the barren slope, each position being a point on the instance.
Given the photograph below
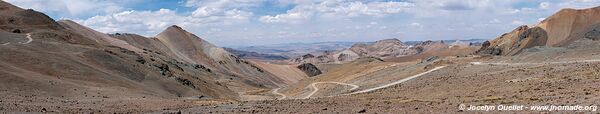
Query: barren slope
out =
(560, 29)
(59, 64)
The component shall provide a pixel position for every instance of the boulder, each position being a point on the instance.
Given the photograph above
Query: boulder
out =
(309, 69)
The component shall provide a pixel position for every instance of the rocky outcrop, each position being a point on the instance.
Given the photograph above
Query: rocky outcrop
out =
(560, 29)
(309, 69)
(430, 59)
(486, 49)
(512, 43)
(593, 34)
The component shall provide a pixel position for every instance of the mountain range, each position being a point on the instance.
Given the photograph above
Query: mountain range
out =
(51, 66)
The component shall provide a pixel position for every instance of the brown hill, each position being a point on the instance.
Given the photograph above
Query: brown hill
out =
(96, 36)
(42, 58)
(383, 48)
(193, 49)
(65, 58)
(436, 48)
(560, 29)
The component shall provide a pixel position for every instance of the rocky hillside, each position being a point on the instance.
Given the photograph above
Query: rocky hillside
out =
(560, 29)
(66, 59)
(42, 57)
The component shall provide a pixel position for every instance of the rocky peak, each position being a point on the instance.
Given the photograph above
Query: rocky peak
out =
(7, 7)
(307, 56)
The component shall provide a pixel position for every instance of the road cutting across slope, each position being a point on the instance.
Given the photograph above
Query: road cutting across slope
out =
(562, 62)
(29, 39)
(397, 82)
(315, 89)
(275, 91)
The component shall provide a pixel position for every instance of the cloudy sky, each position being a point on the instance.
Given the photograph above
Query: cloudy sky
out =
(257, 22)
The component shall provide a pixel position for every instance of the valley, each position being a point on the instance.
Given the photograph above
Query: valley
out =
(50, 66)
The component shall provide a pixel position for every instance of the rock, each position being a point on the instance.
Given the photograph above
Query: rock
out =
(16, 31)
(429, 59)
(309, 69)
(485, 44)
(185, 82)
(343, 57)
(593, 34)
(362, 111)
(487, 50)
(44, 110)
(140, 60)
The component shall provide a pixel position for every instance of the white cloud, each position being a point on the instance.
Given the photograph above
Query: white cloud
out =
(208, 13)
(541, 19)
(151, 22)
(291, 17)
(337, 9)
(518, 22)
(418, 25)
(74, 8)
(495, 21)
(544, 5)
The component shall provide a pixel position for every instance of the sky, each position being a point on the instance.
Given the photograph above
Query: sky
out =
(261, 22)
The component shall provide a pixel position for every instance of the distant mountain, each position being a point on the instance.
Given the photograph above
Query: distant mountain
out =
(296, 49)
(254, 55)
(387, 48)
(469, 41)
(393, 50)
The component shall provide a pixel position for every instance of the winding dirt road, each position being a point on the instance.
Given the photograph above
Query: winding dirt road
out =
(397, 82)
(29, 39)
(275, 91)
(315, 89)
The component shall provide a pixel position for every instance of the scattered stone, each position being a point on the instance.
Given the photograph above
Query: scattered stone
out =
(141, 60)
(185, 82)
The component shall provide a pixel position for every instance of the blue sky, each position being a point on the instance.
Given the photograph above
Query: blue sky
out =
(258, 22)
